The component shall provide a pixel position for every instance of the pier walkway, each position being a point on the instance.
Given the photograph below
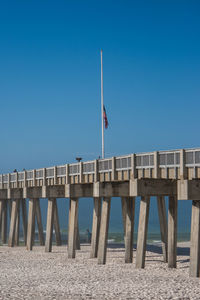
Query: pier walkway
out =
(175, 174)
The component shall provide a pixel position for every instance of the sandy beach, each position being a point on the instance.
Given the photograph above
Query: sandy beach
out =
(40, 275)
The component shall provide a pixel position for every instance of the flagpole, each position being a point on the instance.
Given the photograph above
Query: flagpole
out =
(102, 119)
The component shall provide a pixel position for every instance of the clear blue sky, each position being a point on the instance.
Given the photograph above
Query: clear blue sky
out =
(50, 78)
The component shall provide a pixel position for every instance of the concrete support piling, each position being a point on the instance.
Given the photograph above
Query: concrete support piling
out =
(24, 220)
(15, 205)
(163, 225)
(123, 205)
(49, 226)
(129, 210)
(77, 245)
(105, 216)
(9, 207)
(172, 231)
(33, 227)
(69, 221)
(1, 209)
(39, 222)
(4, 221)
(95, 227)
(57, 225)
(16, 242)
(142, 232)
(195, 240)
(73, 216)
(31, 223)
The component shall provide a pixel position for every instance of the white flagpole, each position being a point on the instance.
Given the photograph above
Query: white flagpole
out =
(102, 119)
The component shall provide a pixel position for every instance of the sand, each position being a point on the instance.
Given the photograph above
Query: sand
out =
(40, 275)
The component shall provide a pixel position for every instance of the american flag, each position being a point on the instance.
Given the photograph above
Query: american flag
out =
(105, 117)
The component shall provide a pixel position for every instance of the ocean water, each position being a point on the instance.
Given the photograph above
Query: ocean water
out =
(115, 224)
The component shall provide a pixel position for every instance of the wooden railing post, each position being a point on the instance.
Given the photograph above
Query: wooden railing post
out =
(16, 178)
(113, 168)
(55, 175)
(34, 180)
(44, 176)
(183, 170)
(133, 166)
(96, 171)
(156, 165)
(25, 181)
(8, 183)
(80, 172)
(67, 181)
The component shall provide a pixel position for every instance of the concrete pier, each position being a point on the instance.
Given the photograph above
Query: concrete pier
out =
(173, 174)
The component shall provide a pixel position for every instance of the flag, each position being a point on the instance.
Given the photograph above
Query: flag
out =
(105, 117)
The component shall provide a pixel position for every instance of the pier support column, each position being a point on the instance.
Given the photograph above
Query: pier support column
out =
(105, 216)
(16, 243)
(33, 227)
(31, 223)
(163, 225)
(95, 227)
(195, 240)
(129, 204)
(123, 200)
(172, 231)
(56, 225)
(78, 245)
(24, 219)
(15, 205)
(77, 229)
(39, 222)
(1, 209)
(4, 221)
(142, 232)
(73, 217)
(9, 207)
(49, 226)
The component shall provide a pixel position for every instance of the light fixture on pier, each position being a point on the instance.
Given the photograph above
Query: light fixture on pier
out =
(78, 159)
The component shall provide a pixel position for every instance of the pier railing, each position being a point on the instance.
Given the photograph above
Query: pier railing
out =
(174, 164)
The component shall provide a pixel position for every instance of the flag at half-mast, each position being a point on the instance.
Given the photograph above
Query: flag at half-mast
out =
(105, 117)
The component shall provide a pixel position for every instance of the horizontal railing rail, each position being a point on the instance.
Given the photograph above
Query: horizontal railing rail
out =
(150, 160)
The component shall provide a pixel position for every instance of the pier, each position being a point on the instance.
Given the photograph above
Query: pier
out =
(175, 174)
